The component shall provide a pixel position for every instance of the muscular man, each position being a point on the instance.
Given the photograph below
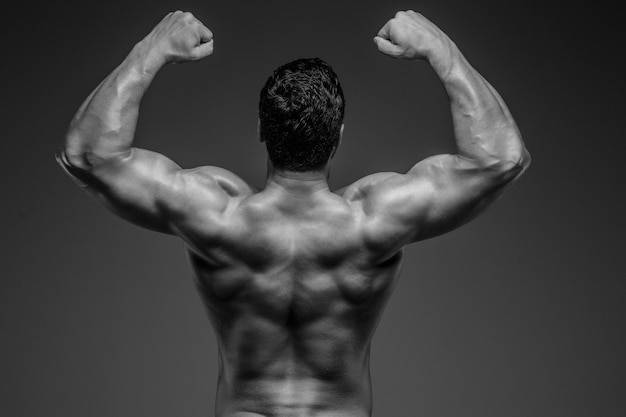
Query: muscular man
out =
(294, 276)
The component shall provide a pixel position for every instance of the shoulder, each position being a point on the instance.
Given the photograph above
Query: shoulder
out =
(203, 194)
(385, 205)
(363, 187)
(386, 192)
(214, 180)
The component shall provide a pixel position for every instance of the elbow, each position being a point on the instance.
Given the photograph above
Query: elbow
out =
(505, 153)
(522, 159)
(71, 154)
(515, 164)
(75, 151)
(525, 158)
(88, 155)
(77, 161)
(71, 166)
(515, 157)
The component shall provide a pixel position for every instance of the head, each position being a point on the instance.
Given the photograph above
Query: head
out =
(301, 112)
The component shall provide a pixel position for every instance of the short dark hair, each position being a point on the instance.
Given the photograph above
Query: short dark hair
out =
(301, 110)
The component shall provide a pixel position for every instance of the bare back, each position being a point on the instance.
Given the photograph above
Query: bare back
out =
(294, 295)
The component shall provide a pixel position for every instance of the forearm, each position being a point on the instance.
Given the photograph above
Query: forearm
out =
(484, 129)
(104, 126)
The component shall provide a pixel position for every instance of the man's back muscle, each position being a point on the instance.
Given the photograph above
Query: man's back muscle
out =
(294, 296)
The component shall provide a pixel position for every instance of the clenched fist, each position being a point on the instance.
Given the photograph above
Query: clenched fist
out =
(409, 35)
(179, 37)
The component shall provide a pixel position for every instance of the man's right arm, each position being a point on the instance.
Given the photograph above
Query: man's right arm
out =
(442, 192)
(142, 186)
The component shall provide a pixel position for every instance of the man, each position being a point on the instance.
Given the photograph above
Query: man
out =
(294, 276)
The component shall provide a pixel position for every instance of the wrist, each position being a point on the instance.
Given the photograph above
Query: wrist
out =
(443, 57)
(146, 58)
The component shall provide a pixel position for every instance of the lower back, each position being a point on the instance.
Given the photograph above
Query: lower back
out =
(294, 397)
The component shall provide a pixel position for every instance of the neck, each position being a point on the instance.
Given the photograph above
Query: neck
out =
(297, 183)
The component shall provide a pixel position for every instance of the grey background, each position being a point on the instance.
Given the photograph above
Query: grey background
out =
(520, 313)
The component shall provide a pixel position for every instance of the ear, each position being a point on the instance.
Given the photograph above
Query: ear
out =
(338, 142)
(340, 134)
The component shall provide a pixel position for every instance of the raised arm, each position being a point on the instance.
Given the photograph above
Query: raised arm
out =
(444, 191)
(139, 185)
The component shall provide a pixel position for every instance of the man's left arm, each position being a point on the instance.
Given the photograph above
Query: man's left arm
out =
(137, 184)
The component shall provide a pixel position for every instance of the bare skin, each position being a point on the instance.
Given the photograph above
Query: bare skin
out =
(294, 277)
